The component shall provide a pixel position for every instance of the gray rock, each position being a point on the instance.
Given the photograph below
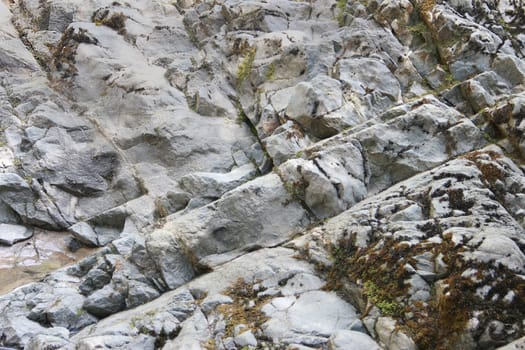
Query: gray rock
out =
(85, 234)
(10, 234)
(331, 180)
(414, 141)
(173, 261)
(351, 340)
(309, 102)
(117, 342)
(301, 283)
(371, 80)
(286, 142)
(392, 338)
(95, 279)
(67, 311)
(470, 53)
(214, 185)
(257, 214)
(510, 68)
(245, 339)
(144, 125)
(140, 293)
(315, 314)
(18, 330)
(104, 302)
(194, 331)
(18, 195)
(212, 301)
(42, 341)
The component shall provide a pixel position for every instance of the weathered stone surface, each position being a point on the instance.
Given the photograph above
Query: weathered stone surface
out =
(43, 341)
(10, 234)
(330, 180)
(351, 340)
(214, 185)
(190, 142)
(259, 213)
(18, 330)
(84, 233)
(105, 301)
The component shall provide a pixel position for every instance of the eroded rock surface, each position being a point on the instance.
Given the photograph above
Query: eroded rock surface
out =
(277, 174)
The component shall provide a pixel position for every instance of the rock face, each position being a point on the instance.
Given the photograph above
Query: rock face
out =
(276, 174)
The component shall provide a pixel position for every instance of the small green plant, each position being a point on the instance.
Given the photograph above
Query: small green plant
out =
(450, 80)
(141, 184)
(160, 209)
(80, 312)
(419, 28)
(17, 162)
(341, 14)
(29, 180)
(377, 296)
(245, 68)
(295, 189)
(270, 73)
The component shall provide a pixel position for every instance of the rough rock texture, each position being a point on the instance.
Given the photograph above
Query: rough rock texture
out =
(230, 174)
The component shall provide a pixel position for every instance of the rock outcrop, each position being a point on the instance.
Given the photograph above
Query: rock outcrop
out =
(266, 174)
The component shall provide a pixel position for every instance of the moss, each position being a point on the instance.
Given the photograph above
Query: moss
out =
(160, 208)
(245, 67)
(239, 311)
(425, 7)
(449, 80)
(29, 180)
(63, 57)
(382, 300)
(341, 12)
(295, 189)
(17, 162)
(141, 184)
(419, 28)
(270, 72)
(489, 170)
(441, 322)
(117, 22)
(457, 200)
